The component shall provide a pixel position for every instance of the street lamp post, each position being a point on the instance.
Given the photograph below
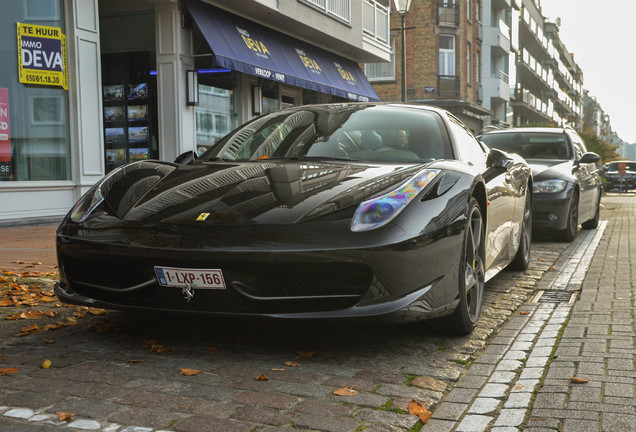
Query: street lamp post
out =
(402, 7)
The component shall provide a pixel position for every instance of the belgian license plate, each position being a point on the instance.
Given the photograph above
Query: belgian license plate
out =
(195, 278)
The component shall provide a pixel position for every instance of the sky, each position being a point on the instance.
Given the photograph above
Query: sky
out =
(601, 34)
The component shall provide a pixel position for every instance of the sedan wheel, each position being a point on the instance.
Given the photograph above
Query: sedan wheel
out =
(569, 233)
(522, 258)
(593, 223)
(471, 276)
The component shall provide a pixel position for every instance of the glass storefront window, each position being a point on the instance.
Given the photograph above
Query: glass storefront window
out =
(34, 120)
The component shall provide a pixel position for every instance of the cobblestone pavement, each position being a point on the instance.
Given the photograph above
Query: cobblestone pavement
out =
(120, 371)
(565, 362)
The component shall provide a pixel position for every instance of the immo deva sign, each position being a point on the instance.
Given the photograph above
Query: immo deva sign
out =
(42, 55)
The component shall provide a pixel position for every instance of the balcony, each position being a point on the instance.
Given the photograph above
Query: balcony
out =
(375, 20)
(497, 87)
(501, 4)
(447, 13)
(498, 38)
(448, 86)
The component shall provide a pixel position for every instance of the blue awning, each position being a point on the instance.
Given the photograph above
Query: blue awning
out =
(251, 48)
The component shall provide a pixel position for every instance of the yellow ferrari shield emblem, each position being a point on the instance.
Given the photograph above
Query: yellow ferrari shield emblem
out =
(203, 216)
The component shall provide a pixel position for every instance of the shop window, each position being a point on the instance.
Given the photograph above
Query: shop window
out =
(213, 115)
(35, 137)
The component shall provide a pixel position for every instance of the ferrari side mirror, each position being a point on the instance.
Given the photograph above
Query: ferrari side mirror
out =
(186, 158)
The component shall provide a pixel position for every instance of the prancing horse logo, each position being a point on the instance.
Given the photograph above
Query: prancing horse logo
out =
(188, 292)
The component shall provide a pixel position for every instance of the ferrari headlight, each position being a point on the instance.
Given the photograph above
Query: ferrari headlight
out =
(549, 186)
(87, 204)
(379, 211)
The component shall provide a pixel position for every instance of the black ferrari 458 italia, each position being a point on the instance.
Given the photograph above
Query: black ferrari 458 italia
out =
(322, 211)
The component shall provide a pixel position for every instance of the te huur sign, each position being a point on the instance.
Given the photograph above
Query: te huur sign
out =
(42, 55)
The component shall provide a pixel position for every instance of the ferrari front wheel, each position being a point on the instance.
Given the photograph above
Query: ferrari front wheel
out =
(471, 274)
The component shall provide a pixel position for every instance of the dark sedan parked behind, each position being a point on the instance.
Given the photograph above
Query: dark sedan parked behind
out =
(567, 187)
(324, 211)
(620, 175)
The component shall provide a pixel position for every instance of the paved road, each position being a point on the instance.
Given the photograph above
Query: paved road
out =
(121, 371)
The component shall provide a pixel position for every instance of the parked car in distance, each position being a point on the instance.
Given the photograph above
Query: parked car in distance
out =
(567, 188)
(620, 175)
(319, 211)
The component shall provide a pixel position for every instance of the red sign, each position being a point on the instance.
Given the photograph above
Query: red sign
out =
(5, 134)
(622, 168)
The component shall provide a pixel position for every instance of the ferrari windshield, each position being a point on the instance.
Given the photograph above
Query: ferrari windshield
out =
(350, 132)
(531, 145)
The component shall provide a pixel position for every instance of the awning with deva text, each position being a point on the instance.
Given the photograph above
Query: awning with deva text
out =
(251, 48)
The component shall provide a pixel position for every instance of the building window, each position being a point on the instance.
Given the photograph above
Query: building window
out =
(384, 71)
(468, 64)
(447, 55)
(35, 135)
(340, 9)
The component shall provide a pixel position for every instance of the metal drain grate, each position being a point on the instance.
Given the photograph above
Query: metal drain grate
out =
(556, 296)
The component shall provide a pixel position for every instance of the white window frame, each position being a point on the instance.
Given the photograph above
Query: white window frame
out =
(391, 67)
(447, 63)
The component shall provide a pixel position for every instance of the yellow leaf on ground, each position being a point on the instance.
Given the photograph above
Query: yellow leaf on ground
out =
(261, 377)
(189, 372)
(48, 341)
(416, 408)
(64, 416)
(292, 364)
(46, 364)
(30, 329)
(7, 371)
(97, 311)
(578, 380)
(278, 369)
(160, 348)
(345, 391)
(305, 354)
(6, 302)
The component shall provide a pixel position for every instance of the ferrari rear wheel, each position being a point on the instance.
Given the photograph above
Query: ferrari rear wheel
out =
(472, 274)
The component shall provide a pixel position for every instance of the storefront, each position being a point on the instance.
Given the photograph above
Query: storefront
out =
(87, 86)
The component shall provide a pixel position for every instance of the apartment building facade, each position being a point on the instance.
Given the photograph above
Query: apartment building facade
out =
(127, 80)
(549, 82)
(443, 50)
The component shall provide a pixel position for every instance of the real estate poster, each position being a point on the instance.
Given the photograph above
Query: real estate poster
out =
(5, 134)
(42, 55)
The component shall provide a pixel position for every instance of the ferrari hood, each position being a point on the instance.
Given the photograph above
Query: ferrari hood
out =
(260, 192)
(550, 169)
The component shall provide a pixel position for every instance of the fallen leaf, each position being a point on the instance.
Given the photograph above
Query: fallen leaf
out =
(189, 372)
(551, 268)
(292, 364)
(416, 408)
(278, 369)
(135, 361)
(213, 349)
(97, 311)
(8, 273)
(305, 354)
(7, 371)
(578, 380)
(20, 262)
(28, 330)
(345, 391)
(160, 348)
(6, 302)
(541, 259)
(48, 341)
(64, 416)
(46, 364)
(261, 377)
(524, 313)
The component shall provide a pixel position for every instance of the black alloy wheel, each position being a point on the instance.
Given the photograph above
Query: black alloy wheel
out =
(593, 223)
(522, 258)
(472, 274)
(569, 232)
